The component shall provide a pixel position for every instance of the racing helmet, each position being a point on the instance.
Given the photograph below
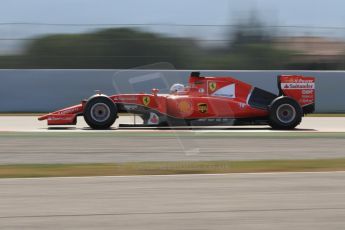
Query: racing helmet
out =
(175, 88)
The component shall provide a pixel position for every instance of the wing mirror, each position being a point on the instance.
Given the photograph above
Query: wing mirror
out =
(155, 92)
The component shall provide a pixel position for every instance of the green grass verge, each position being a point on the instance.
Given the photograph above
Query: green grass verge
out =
(169, 168)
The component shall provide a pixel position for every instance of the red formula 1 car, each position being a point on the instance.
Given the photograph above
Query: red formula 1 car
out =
(205, 101)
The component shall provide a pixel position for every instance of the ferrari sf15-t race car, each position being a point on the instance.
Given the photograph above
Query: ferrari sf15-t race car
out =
(204, 101)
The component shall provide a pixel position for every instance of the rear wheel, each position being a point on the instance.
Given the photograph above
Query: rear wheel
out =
(100, 112)
(285, 113)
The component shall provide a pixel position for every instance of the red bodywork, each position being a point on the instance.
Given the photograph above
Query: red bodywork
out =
(204, 98)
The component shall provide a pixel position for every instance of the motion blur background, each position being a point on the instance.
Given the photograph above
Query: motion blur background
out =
(192, 34)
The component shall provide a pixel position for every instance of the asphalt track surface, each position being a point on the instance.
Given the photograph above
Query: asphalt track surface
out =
(268, 201)
(25, 140)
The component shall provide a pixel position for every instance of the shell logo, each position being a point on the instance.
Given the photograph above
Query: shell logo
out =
(185, 107)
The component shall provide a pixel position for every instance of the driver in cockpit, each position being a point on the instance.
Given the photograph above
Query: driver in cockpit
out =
(177, 88)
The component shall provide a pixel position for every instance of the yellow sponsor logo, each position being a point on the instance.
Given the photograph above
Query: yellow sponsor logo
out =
(202, 107)
(212, 85)
(185, 107)
(146, 100)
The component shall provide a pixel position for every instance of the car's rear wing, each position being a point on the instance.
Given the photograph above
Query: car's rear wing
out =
(300, 88)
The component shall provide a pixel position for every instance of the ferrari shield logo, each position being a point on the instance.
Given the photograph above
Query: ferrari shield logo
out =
(202, 107)
(212, 85)
(146, 100)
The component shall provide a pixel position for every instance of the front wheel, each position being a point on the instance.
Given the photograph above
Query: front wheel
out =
(285, 113)
(100, 112)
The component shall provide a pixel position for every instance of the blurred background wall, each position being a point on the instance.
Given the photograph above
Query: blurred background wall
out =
(47, 90)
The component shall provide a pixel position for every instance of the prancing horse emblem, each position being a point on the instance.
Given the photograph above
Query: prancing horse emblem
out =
(146, 100)
(212, 85)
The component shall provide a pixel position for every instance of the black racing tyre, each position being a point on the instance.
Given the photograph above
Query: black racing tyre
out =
(285, 113)
(100, 112)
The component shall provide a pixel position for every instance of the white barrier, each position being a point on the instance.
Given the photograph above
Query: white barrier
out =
(47, 90)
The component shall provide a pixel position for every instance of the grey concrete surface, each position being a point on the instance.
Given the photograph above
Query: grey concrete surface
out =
(86, 146)
(47, 90)
(103, 149)
(284, 201)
